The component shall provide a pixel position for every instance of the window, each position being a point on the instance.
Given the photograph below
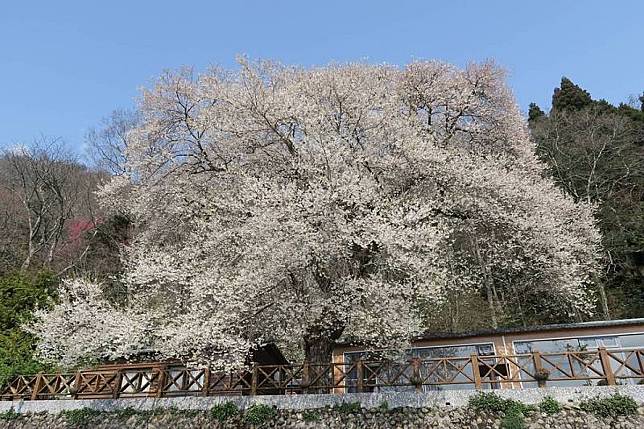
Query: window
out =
(431, 370)
(567, 366)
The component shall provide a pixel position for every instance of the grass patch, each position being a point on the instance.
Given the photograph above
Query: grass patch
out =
(515, 411)
(549, 405)
(81, 417)
(10, 414)
(225, 411)
(311, 416)
(383, 407)
(259, 413)
(491, 402)
(615, 405)
(348, 407)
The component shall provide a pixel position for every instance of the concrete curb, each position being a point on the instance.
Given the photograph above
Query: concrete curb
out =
(445, 398)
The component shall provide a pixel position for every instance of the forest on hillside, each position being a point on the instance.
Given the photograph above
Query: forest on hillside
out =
(53, 226)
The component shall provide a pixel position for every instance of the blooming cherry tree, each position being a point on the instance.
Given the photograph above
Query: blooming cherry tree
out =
(301, 206)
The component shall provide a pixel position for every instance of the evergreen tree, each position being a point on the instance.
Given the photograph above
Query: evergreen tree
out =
(595, 153)
(535, 112)
(570, 96)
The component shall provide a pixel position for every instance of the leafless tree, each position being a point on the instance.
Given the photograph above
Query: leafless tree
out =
(44, 187)
(594, 155)
(107, 143)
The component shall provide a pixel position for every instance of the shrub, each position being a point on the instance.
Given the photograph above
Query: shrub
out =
(491, 402)
(384, 406)
(19, 295)
(514, 410)
(311, 416)
(225, 411)
(615, 405)
(81, 417)
(10, 414)
(125, 413)
(348, 407)
(549, 405)
(259, 413)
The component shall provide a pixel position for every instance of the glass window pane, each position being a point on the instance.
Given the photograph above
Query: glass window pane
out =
(634, 341)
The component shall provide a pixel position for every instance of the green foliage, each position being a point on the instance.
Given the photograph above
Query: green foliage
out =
(225, 411)
(491, 402)
(259, 413)
(514, 410)
(348, 407)
(549, 405)
(10, 415)
(384, 406)
(126, 413)
(570, 96)
(311, 416)
(535, 112)
(513, 421)
(80, 418)
(594, 151)
(616, 405)
(20, 294)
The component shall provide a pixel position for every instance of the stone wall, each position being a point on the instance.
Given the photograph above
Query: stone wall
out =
(402, 418)
(437, 409)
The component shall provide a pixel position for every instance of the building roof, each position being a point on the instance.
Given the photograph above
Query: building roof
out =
(429, 335)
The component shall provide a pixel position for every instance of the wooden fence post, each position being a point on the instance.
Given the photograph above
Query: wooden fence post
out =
(604, 357)
(360, 376)
(476, 372)
(118, 380)
(305, 376)
(417, 380)
(253, 381)
(37, 386)
(77, 384)
(161, 378)
(538, 368)
(206, 382)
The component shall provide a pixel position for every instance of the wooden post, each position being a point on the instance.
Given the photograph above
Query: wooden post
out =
(418, 383)
(77, 384)
(305, 376)
(37, 386)
(118, 380)
(206, 382)
(360, 376)
(538, 368)
(160, 381)
(253, 382)
(606, 366)
(476, 371)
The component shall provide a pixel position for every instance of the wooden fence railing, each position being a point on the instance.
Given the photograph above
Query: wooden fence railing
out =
(480, 372)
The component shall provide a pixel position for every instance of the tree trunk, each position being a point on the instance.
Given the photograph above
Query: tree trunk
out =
(603, 299)
(318, 351)
(489, 283)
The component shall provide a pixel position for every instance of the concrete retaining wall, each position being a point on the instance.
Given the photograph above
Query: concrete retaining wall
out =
(449, 398)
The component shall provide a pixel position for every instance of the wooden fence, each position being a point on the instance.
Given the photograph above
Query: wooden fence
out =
(610, 367)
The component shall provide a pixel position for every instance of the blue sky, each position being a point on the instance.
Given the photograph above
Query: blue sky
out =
(66, 64)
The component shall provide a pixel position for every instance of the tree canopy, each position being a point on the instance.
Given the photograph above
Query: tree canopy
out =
(595, 152)
(304, 205)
